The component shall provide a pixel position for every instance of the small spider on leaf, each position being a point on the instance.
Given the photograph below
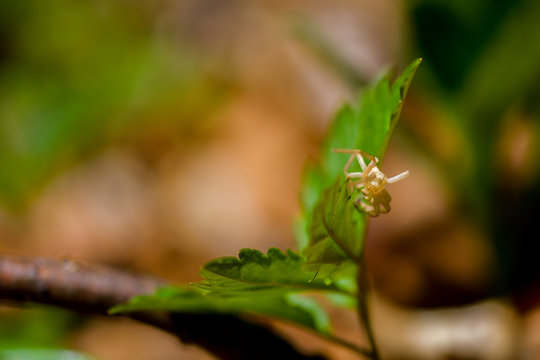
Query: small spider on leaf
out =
(371, 182)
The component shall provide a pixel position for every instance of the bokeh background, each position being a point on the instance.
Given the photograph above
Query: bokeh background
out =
(156, 135)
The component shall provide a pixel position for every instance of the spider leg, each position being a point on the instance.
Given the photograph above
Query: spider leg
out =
(357, 152)
(370, 157)
(370, 167)
(349, 151)
(389, 197)
(360, 161)
(358, 202)
(350, 187)
(348, 164)
(358, 184)
(368, 204)
(355, 175)
(348, 176)
(362, 205)
(375, 207)
(384, 199)
(344, 151)
(398, 177)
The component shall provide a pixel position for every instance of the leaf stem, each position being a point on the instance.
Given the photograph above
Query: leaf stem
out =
(363, 306)
(351, 346)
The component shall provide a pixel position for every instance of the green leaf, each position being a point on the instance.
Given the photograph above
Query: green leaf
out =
(269, 284)
(342, 301)
(335, 233)
(193, 300)
(254, 271)
(334, 226)
(255, 283)
(39, 327)
(498, 77)
(318, 315)
(368, 125)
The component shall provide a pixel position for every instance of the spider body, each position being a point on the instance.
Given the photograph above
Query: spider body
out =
(371, 182)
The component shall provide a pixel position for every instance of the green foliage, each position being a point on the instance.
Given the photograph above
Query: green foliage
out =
(254, 282)
(98, 77)
(335, 227)
(41, 327)
(286, 306)
(253, 271)
(482, 66)
(336, 233)
(367, 125)
(36, 334)
(270, 284)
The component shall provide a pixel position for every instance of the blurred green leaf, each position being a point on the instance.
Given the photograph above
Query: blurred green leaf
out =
(35, 327)
(318, 315)
(450, 34)
(193, 300)
(98, 77)
(507, 68)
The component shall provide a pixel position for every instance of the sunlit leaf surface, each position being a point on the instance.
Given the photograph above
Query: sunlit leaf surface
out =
(335, 227)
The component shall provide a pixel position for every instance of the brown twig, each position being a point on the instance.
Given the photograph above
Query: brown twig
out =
(92, 290)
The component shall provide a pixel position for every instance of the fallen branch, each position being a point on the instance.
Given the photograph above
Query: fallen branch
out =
(92, 290)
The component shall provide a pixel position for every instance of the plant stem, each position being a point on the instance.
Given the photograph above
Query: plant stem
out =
(363, 306)
(350, 346)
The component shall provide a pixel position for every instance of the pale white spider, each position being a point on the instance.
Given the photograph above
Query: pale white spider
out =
(371, 182)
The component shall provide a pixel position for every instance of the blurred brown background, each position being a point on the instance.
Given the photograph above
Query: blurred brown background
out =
(157, 135)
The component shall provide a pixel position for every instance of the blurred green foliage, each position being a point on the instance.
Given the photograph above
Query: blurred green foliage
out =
(38, 327)
(482, 75)
(78, 76)
(36, 333)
